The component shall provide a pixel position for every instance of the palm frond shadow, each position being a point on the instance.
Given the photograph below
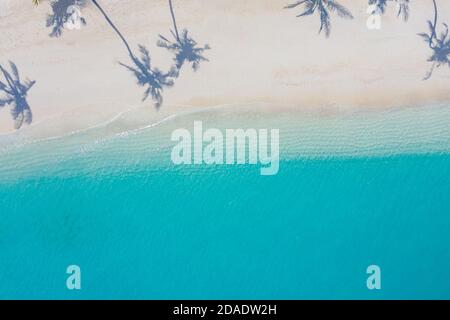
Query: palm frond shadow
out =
(438, 43)
(183, 47)
(154, 79)
(59, 16)
(323, 8)
(402, 7)
(14, 94)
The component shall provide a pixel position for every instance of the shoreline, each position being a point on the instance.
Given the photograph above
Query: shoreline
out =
(137, 118)
(397, 130)
(359, 134)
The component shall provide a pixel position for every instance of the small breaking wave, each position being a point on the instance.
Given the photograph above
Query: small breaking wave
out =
(17, 139)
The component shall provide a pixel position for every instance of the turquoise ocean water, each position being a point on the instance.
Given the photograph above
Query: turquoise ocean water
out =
(354, 189)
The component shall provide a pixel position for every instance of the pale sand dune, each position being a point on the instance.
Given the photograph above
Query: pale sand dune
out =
(260, 52)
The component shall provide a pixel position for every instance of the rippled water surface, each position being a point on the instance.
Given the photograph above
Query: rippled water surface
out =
(354, 189)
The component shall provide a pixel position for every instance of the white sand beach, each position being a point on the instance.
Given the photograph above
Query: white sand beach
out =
(260, 52)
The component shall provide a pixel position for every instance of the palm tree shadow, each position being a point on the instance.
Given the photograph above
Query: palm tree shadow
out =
(183, 47)
(323, 8)
(439, 44)
(184, 50)
(15, 95)
(60, 15)
(154, 79)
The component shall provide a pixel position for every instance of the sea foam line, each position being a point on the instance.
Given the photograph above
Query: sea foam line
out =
(115, 118)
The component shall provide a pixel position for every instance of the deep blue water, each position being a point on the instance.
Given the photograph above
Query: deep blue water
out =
(309, 232)
(148, 229)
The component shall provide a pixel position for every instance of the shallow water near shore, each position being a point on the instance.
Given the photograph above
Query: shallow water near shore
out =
(354, 189)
